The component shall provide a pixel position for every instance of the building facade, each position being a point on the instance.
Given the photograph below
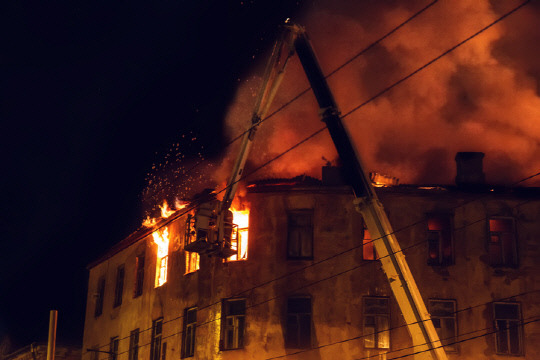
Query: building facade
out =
(309, 285)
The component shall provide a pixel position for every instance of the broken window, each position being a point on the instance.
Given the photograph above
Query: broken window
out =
(100, 293)
(233, 313)
(507, 318)
(440, 247)
(188, 333)
(443, 316)
(161, 239)
(113, 348)
(119, 288)
(134, 345)
(298, 332)
(300, 235)
(139, 275)
(239, 236)
(502, 242)
(368, 249)
(376, 322)
(192, 262)
(155, 343)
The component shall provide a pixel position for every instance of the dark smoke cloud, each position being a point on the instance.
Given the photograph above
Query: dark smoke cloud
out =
(482, 97)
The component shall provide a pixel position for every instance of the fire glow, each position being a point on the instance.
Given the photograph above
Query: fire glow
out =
(161, 239)
(239, 241)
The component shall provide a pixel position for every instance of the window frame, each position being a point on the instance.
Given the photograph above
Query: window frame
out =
(155, 342)
(518, 329)
(139, 275)
(443, 239)
(189, 333)
(376, 323)
(513, 262)
(453, 346)
(232, 322)
(307, 229)
(119, 287)
(133, 353)
(100, 296)
(113, 348)
(368, 245)
(303, 327)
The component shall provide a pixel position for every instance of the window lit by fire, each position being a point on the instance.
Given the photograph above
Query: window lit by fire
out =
(377, 322)
(502, 242)
(440, 247)
(368, 249)
(239, 238)
(161, 239)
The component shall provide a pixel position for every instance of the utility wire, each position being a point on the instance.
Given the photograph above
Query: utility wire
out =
(186, 210)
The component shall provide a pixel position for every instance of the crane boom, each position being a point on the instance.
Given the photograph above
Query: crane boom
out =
(425, 339)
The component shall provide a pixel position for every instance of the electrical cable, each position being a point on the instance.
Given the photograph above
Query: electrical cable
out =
(174, 217)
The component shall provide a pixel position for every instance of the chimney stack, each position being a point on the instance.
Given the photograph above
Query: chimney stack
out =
(469, 169)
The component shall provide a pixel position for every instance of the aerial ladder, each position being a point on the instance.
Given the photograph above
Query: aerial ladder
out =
(294, 39)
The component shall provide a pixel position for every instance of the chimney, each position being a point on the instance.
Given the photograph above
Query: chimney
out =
(469, 169)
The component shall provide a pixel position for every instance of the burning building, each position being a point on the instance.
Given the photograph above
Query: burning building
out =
(308, 284)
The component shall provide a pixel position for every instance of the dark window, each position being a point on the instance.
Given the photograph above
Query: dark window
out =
(508, 326)
(298, 332)
(119, 289)
(155, 345)
(113, 348)
(94, 352)
(376, 322)
(300, 235)
(443, 316)
(440, 247)
(502, 242)
(139, 275)
(368, 249)
(100, 293)
(134, 344)
(233, 315)
(188, 333)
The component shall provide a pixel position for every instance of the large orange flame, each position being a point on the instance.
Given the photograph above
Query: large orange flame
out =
(161, 239)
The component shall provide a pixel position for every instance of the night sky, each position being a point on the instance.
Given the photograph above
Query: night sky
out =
(90, 93)
(94, 95)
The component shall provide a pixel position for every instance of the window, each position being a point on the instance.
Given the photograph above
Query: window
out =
(119, 289)
(233, 312)
(188, 333)
(298, 332)
(508, 326)
(139, 275)
(376, 322)
(113, 348)
(440, 248)
(368, 249)
(155, 344)
(99, 296)
(443, 316)
(239, 236)
(300, 235)
(94, 352)
(161, 239)
(134, 344)
(502, 242)
(192, 262)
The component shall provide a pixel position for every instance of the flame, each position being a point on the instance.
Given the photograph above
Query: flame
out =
(240, 218)
(161, 239)
(165, 210)
(149, 222)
